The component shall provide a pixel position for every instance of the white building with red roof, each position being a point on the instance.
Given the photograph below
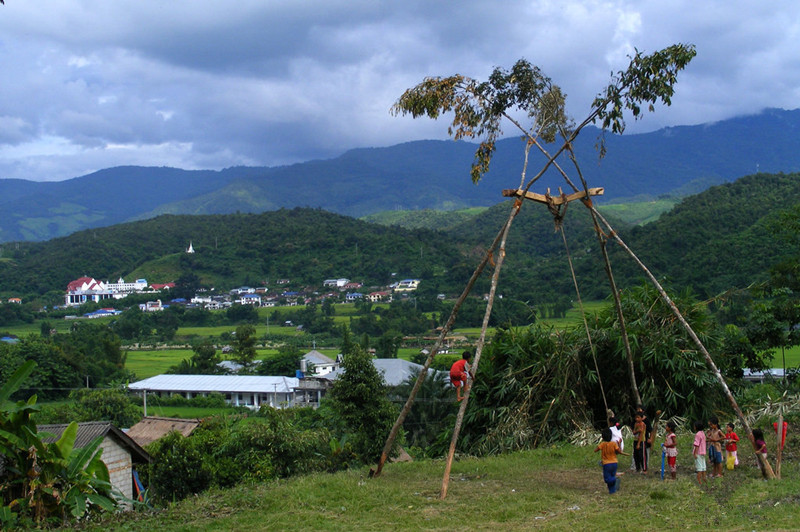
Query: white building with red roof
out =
(87, 289)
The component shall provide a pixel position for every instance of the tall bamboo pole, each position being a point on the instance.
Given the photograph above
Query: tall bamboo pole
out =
(478, 348)
(387, 447)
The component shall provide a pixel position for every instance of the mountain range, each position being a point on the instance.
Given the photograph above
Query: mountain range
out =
(410, 176)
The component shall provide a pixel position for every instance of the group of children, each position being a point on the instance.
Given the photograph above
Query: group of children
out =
(710, 443)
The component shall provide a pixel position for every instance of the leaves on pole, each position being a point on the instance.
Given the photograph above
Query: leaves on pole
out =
(479, 107)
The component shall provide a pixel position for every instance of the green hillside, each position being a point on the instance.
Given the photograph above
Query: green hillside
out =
(425, 218)
(303, 245)
(728, 236)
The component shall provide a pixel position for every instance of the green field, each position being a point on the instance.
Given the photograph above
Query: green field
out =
(261, 330)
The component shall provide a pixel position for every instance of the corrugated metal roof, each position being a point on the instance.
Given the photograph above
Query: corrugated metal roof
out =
(315, 357)
(395, 371)
(88, 431)
(216, 383)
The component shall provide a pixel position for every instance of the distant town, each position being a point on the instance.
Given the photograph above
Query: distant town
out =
(89, 290)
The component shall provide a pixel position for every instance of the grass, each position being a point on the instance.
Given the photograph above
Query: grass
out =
(261, 330)
(792, 358)
(62, 326)
(553, 488)
(147, 363)
(640, 212)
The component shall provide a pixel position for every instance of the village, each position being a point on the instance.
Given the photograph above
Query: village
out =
(89, 290)
(124, 447)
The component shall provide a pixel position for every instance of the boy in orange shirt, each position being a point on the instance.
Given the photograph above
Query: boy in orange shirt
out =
(608, 454)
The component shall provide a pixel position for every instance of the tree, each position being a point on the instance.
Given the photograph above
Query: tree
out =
(389, 344)
(358, 399)
(187, 285)
(206, 359)
(105, 404)
(432, 416)
(242, 314)
(670, 369)
(285, 363)
(244, 346)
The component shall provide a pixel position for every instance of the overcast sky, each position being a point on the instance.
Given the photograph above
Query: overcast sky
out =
(91, 84)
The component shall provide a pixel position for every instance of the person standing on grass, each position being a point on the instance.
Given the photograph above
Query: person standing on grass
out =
(715, 439)
(671, 448)
(731, 439)
(616, 433)
(639, 454)
(460, 373)
(759, 443)
(699, 452)
(609, 450)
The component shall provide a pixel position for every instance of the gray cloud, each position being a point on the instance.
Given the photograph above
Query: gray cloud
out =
(90, 84)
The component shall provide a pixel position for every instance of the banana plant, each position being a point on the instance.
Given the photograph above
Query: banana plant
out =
(42, 481)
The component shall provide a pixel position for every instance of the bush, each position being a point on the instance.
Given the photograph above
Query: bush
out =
(178, 468)
(226, 450)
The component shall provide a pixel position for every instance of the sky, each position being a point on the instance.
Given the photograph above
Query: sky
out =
(194, 84)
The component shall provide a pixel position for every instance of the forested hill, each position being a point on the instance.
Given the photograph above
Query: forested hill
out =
(410, 176)
(305, 246)
(728, 236)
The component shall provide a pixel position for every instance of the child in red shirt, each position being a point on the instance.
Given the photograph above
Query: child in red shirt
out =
(459, 373)
(730, 444)
(671, 448)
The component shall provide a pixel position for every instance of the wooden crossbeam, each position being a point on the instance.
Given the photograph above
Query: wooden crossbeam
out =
(550, 199)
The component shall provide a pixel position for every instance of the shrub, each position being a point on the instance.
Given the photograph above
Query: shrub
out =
(178, 468)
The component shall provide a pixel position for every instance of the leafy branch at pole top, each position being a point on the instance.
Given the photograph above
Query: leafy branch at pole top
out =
(479, 107)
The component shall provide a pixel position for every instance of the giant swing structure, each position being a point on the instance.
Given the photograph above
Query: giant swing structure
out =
(535, 107)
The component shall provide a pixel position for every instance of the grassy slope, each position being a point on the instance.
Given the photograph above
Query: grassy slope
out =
(640, 212)
(634, 212)
(556, 488)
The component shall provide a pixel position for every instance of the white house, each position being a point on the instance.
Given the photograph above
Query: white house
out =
(243, 290)
(250, 299)
(375, 297)
(353, 296)
(200, 300)
(338, 283)
(151, 306)
(407, 285)
(322, 364)
(395, 371)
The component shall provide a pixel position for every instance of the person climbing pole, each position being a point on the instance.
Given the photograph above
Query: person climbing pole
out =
(460, 373)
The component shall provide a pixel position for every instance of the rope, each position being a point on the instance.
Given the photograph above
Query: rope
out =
(560, 226)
